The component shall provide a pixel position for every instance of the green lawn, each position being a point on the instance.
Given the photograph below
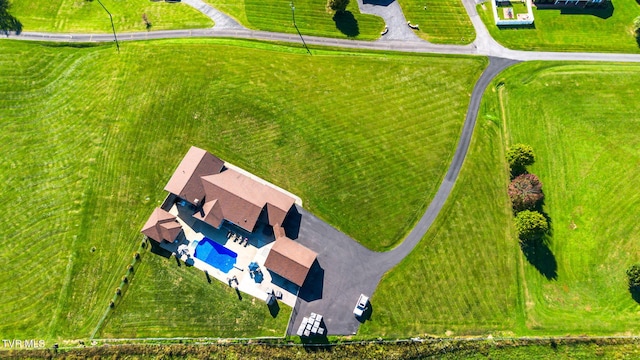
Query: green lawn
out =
(89, 138)
(441, 22)
(469, 276)
(462, 276)
(608, 30)
(167, 300)
(588, 157)
(89, 16)
(312, 18)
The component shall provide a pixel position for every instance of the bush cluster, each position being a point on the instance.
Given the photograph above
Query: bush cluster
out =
(525, 192)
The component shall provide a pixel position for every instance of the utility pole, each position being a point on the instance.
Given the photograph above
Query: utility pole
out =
(112, 26)
(293, 17)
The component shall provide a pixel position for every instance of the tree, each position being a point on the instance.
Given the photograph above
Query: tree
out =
(520, 156)
(633, 274)
(531, 225)
(525, 192)
(338, 6)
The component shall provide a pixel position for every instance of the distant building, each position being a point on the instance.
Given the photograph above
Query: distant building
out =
(578, 3)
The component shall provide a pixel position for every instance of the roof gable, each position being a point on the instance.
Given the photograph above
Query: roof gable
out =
(185, 181)
(161, 225)
(290, 260)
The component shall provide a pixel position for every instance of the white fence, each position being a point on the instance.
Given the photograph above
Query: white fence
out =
(527, 20)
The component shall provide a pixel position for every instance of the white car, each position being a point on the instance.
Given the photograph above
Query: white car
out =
(361, 306)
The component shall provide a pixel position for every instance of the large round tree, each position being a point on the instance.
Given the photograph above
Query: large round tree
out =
(519, 156)
(531, 225)
(525, 192)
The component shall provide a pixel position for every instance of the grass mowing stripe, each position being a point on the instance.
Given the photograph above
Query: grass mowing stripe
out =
(117, 125)
(571, 29)
(312, 18)
(89, 16)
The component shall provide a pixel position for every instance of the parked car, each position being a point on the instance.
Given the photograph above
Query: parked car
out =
(361, 305)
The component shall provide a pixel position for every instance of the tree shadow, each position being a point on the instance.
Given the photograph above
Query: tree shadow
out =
(601, 11)
(346, 23)
(638, 36)
(635, 293)
(540, 256)
(8, 22)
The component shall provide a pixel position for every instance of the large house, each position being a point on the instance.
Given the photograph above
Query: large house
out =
(218, 195)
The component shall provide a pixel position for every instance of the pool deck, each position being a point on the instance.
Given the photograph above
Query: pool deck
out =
(256, 251)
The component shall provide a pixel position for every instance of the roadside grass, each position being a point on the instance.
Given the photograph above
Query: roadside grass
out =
(554, 351)
(441, 22)
(461, 279)
(587, 145)
(312, 18)
(572, 29)
(468, 275)
(89, 17)
(89, 139)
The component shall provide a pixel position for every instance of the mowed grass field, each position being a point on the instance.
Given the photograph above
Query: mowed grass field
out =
(89, 17)
(89, 138)
(593, 30)
(312, 18)
(441, 22)
(462, 277)
(469, 276)
(588, 149)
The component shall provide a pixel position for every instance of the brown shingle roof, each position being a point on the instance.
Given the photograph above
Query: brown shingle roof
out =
(211, 213)
(290, 260)
(185, 181)
(243, 198)
(161, 226)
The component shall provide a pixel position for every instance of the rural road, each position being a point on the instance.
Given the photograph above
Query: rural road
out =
(368, 267)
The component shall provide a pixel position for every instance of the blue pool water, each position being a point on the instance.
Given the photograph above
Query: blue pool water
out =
(215, 255)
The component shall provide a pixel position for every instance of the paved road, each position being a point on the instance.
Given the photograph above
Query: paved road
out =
(348, 268)
(220, 19)
(345, 268)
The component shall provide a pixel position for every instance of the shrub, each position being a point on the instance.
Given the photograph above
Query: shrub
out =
(531, 225)
(525, 192)
(337, 5)
(519, 156)
(633, 274)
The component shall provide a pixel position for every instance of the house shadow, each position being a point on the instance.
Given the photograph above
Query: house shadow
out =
(291, 223)
(158, 250)
(602, 11)
(517, 27)
(378, 2)
(8, 22)
(346, 23)
(313, 286)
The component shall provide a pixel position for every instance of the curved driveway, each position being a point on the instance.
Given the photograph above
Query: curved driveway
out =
(346, 268)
